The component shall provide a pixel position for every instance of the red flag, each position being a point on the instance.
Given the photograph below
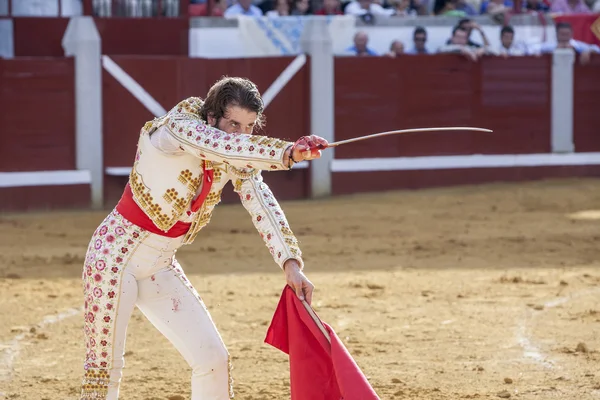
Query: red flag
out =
(582, 25)
(319, 369)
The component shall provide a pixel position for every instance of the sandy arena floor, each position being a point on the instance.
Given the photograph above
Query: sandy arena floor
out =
(465, 293)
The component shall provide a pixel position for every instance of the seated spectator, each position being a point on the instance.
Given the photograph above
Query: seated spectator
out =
(536, 5)
(243, 7)
(564, 40)
(360, 47)
(362, 7)
(330, 7)
(448, 8)
(569, 7)
(300, 7)
(403, 8)
(508, 47)
(496, 7)
(459, 45)
(282, 9)
(419, 40)
(469, 25)
(396, 49)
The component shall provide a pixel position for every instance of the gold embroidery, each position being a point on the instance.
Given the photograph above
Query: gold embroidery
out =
(179, 203)
(286, 231)
(186, 177)
(217, 175)
(238, 185)
(213, 199)
(95, 384)
(291, 241)
(230, 378)
(201, 220)
(280, 143)
(242, 174)
(145, 201)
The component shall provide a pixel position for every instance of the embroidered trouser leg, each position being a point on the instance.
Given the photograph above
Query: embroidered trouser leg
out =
(126, 265)
(110, 296)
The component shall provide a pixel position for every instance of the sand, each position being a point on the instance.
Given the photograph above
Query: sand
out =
(479, 292)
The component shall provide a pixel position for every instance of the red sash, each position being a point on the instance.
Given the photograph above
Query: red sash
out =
(129, 209)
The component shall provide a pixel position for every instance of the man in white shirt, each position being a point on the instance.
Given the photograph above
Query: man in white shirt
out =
(243, 7)
(508, 47)
(564, 40)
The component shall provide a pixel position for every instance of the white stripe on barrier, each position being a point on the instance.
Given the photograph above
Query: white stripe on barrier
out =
(44, 178)
(133, 87)
(125, 171)
(118, 171)
(463, 161)
(77, 177)
(283, 79)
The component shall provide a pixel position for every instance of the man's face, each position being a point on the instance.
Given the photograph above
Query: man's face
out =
(460, 37)
(420, 39)
(467, 26)
(360, 41)
(563, 36)
(398, 48)
(236, 120)
(245, 3)
(507, 39)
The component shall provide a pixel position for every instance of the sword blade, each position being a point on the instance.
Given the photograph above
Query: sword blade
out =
(402, 131)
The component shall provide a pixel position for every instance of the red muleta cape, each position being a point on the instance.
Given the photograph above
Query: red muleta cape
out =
(319, 370)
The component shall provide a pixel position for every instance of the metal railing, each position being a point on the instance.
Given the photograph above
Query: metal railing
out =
(97, 8)
(136, 8)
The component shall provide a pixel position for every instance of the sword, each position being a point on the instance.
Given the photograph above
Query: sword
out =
(375, 135)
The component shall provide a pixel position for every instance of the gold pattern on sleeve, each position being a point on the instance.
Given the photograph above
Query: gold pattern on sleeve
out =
(242, 173)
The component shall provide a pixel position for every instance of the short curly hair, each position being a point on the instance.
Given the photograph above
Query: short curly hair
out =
(232, 91)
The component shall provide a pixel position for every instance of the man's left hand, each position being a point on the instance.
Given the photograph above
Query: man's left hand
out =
(298, 281)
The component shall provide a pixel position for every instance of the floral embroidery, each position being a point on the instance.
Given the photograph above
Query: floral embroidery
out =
(185, 124)
(110, 248)
(269, 219)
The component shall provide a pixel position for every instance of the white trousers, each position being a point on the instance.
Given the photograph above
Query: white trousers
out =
(128, 266)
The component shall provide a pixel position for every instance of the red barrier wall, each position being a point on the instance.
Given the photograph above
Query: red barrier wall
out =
(39, 37)
(512, 97)
(37, 120)
(170, 80)
(42, 37)
(37, 130)
(586, 109)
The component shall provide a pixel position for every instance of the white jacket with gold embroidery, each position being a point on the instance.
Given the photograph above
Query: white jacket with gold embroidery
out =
(168, 173)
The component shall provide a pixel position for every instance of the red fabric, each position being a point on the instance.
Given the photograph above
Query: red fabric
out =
(582, 26)
(129, 209)
(322, 11)
(318, 370)
(201, 10)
